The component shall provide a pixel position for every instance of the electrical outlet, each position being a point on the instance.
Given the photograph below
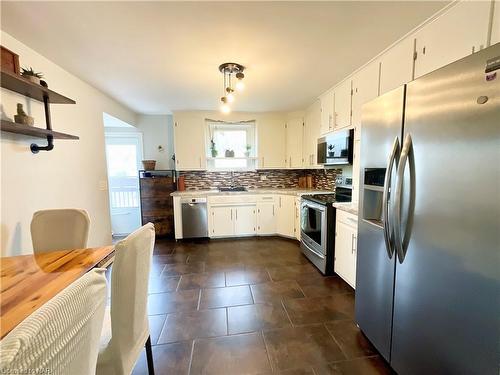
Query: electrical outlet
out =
(263, 178)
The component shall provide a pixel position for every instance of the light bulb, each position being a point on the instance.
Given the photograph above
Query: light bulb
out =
(240, 86)
(224, 108)
(230, 97)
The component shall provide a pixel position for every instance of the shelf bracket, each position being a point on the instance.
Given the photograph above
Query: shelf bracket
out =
(50, 139)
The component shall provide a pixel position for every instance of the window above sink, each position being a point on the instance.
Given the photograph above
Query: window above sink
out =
(231, 145)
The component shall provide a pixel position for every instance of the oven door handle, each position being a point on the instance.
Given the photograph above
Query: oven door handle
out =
(307, 245)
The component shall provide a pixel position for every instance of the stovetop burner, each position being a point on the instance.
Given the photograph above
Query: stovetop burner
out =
(328, 199)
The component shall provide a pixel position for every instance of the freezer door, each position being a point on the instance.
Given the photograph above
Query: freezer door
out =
(381, 128)
(446, 304)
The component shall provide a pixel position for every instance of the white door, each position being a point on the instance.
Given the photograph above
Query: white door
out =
(495, 31)
(456, 34)
(364, 89)
(222, 221)
(272, 142)
(245, 220)
(286, 215)
(327, 112)
(296, 221)
(345, 253)
(189, 142)
(294, 135)
(124, 156)
(342, 105)
(266, 218)
(397, 65)
(311, 134)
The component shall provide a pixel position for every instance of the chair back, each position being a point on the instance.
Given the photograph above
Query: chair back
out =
(62, 336)
(61, 229)
(129, 297)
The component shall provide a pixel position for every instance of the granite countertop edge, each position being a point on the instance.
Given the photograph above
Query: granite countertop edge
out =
(286, 191)
(350, 207)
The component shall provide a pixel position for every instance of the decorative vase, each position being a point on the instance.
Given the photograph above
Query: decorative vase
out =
(22, 117)
(214, 153)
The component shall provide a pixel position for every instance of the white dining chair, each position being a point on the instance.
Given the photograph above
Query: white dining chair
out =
(124, 338)
(60, 229)
(62, 336)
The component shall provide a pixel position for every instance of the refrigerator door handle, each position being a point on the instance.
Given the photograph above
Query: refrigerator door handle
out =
(407, 155)
(388, 228)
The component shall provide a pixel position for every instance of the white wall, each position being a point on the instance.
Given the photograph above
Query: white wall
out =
(67, 176)
(157, 130)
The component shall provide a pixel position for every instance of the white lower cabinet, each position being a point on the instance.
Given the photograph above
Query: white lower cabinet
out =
(245, 223)
(221, 221)
(266, 217)
(346, 233)
(240, 215)
(286, 216)
(296, 228)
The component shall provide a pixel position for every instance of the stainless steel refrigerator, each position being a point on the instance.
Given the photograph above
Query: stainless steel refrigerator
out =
(428, 264)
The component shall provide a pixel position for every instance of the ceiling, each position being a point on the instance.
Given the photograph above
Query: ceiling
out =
(158, 57)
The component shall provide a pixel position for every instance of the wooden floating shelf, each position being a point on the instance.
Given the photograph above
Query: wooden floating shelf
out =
(16, 83)
(32, 131)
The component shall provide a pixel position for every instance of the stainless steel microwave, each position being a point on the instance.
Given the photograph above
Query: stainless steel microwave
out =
(336, 148)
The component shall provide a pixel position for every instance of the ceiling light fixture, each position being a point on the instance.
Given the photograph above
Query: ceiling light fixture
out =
(228, 70)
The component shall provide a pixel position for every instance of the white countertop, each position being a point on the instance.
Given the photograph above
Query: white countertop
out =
(286, 191)
(350, 207)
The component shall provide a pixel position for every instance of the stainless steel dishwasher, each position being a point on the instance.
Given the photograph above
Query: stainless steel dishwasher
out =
(194, 217)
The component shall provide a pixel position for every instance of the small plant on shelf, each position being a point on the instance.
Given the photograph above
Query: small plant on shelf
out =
(213, 150)
(247, 153)
(31, 75)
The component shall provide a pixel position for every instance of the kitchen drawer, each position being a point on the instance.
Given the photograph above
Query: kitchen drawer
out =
(266, 198)
(347, 218)
(231, 199)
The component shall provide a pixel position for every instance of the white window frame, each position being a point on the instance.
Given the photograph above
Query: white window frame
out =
(217, 163)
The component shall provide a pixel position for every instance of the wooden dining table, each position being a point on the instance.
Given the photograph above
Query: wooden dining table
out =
(29, 281)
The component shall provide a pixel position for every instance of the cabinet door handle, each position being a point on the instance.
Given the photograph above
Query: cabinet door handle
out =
(273, 209)
(200, 161)
(290, 161)
(263, 162)
(231, 214)
(236, 214)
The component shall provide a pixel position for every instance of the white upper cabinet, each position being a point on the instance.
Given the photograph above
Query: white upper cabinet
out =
(495, 30)
(462, 30)
(364, 89)
(271, 143)
(327, 112)
(294, 135)
(189, 141)
(342, 104)
(311, 134)
(396, 65)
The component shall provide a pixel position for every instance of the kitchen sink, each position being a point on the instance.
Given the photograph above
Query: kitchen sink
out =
(235, 188)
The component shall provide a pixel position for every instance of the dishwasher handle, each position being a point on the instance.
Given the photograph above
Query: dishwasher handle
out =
(192, 201)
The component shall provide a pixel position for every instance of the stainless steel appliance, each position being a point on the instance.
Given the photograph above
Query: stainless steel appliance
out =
(317, 227)
(336, 148)
(194, 217)
(428, 264)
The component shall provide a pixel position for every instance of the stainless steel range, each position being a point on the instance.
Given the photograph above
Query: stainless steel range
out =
(317, 225)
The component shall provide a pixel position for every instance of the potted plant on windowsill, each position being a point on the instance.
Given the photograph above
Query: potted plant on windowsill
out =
(31, 75)
(213, 150)
(247, 152)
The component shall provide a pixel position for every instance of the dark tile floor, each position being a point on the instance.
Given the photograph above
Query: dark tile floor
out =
(251, 306)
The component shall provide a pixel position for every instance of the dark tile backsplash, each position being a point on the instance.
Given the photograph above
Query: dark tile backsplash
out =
(276, 178)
